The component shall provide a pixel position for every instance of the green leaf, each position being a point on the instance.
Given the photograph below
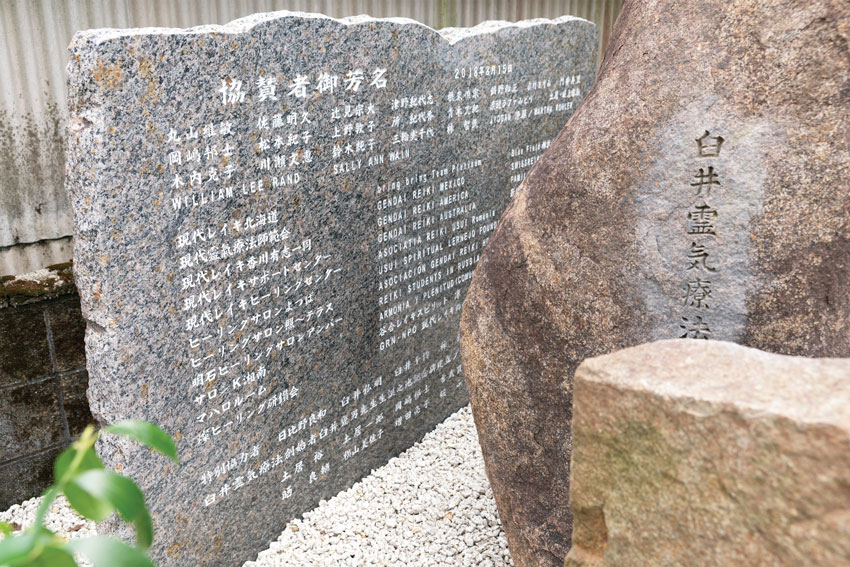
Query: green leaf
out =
(16, 548)
(104, 551)
(6, 529)
(53, 557)
(122, 494)
(86, 504)
(144, 529)
(90, 461)
(147, 434)
(26, 549)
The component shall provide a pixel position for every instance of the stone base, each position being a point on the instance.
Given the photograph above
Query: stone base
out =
(702, 453)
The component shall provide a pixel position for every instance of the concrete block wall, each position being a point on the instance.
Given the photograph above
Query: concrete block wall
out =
(43, 378)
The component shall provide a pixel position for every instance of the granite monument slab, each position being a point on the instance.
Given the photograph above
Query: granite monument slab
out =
(276, 222)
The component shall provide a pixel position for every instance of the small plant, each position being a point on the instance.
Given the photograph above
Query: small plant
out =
(95, 493)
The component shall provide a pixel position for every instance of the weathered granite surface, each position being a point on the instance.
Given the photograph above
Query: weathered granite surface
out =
(619, 235)
(706, 453)
(276, 223)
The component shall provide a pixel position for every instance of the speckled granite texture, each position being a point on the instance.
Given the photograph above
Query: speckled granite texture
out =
(275, 226)
(700, 191)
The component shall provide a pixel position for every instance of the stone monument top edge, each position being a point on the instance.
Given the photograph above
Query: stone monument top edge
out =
(249, 23)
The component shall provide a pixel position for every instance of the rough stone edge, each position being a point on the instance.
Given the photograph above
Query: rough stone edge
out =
(248, 23)
(747, 360)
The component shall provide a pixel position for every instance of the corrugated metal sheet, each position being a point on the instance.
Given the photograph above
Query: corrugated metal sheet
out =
(35, 221)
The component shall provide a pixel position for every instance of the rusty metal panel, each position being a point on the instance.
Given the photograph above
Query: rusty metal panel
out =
(35, 220)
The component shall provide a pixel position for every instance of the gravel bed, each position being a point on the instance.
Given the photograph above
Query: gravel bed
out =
(61, 520)
(431, 505)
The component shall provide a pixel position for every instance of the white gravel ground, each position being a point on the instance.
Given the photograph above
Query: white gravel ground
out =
(430, 506)
(61, 520)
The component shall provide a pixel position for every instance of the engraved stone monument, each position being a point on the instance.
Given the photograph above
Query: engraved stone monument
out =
(276, 224)
(699, 192)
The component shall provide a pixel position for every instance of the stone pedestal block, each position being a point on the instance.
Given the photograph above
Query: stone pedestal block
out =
(709, 453)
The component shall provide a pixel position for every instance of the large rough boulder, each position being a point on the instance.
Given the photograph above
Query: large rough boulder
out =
(707, 453)
(702, 190)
